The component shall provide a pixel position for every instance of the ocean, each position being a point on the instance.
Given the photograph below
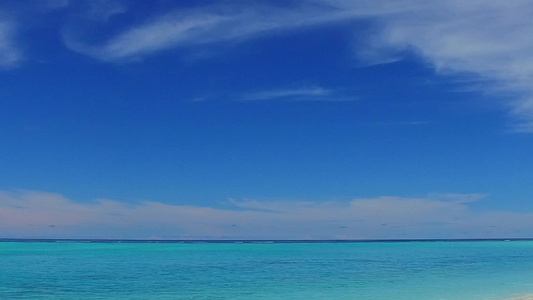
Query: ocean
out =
(406, 270)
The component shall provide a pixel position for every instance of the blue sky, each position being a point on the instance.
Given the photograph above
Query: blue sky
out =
(267, 119)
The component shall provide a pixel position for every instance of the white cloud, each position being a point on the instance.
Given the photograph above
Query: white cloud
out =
(41, 215)
(10, 55)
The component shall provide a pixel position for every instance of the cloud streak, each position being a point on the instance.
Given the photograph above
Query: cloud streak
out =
(314, 93)
(45, 215)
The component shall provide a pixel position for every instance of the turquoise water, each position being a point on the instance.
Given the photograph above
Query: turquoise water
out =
(399, 270)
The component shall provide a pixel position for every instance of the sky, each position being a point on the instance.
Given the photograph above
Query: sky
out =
(304, 119)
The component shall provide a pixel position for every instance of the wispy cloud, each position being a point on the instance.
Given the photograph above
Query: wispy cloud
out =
(187, 27)
(214, 23)
(178, 28)
(158, 35)
(10, 54)
(314, 93)
(489, 40)
(38, 214)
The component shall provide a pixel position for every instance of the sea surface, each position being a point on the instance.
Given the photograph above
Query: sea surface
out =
(434, 270)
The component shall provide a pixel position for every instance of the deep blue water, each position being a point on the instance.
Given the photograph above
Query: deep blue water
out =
(233, 270)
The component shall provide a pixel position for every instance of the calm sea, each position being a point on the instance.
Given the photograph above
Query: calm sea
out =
(233, 270)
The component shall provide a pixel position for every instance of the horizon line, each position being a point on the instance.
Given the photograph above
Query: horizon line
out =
(251, 241)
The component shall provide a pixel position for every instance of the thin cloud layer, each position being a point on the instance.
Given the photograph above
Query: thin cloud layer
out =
(46, 215)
